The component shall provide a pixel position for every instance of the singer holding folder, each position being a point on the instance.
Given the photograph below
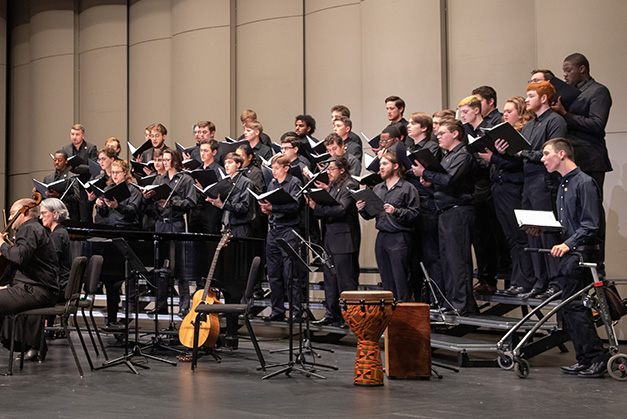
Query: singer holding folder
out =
(170, 217)
(395, 224)
(283, 219)
(341, 238)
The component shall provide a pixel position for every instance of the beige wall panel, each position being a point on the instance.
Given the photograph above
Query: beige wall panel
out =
(50, 108)
(200, 82)
(102, 26)
(189, 15)
(103, 94)
(149, 21)
(149, 87)
(482, 52)
(333, 61)
(312, 6)
(200, 67)
(20, 48)
(149, 66)
(52, 34)
(601, 34)
(19, 134)
(615, 197)
(270, 68)
(257, 10)
(20, 186)
(402, 59)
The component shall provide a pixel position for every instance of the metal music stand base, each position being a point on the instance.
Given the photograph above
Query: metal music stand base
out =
(133, 268)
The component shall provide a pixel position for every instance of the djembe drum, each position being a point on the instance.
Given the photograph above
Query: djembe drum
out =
(367, 313)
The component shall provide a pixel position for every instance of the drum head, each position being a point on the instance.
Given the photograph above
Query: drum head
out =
(367, 296)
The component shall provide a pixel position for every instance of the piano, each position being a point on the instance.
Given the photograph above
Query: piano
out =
(190, 254)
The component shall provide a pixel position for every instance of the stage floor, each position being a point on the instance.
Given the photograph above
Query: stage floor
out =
(234, 389)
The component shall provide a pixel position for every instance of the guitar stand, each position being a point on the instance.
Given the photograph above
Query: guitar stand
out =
(298, 363)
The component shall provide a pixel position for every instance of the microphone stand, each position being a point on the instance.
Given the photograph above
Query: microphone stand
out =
(69, 187)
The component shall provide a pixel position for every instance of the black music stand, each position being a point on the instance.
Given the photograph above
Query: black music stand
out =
(133, 268)
(291, 365)
(157, 341)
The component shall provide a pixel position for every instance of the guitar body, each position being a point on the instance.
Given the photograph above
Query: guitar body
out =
(209, 330)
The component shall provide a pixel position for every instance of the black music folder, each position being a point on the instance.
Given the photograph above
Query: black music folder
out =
(138, 166)
(322, 177)
(317, 146)
(374, 142)
(58, 186)
(191, 164)
(136, 152)
(184, 150)
(161, 191)
(503, 131)
(322, 197)
(221, 189)
(371, 179)
(205, 177)
(319, 158)
(567, 93)
(95, 186)
(119, 192)
(75, 161)
(227, 147)
(374, 204)
(275, 197)
(94, 168)
(427, 160)
(534, 218)
(147, 180)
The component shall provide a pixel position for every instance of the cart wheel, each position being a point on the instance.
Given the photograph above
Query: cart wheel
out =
(505, 361)
(521, 368)
(617, 367)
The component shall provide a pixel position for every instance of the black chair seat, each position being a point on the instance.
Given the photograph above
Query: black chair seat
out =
(221, 308)
(57, 310)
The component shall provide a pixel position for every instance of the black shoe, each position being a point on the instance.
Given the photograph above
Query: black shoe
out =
(275, 318)
(325, 321)
(596, 370)
(574, 369)
(513, 291)
(530, 294)
(548, 293)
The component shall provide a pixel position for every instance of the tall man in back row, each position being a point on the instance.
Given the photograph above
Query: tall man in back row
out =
(580, 211)
(586, 118)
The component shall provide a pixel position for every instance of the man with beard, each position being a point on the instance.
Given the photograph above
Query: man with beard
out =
(395, 225)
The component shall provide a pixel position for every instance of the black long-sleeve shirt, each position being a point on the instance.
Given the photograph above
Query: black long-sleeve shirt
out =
(182, 200)
(538, 131)
(586, 119)
(86, 151)
(404, 198)
(456, 186)
(239, 209)
(426, 193)
(286, 214)
(61, 242)
(579, 209)
(126, 214)
(33, 257)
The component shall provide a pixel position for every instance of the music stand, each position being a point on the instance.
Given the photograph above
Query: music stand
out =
(157, 342)
(291, 365)
(133, 268)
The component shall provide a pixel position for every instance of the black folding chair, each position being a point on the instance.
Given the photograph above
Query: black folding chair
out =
(90, 287)
(204, 309)
(64, 311)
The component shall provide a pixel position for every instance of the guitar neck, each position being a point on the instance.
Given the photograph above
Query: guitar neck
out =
(214, 262)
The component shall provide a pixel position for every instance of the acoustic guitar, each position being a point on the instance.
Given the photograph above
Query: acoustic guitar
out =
(209, 328)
